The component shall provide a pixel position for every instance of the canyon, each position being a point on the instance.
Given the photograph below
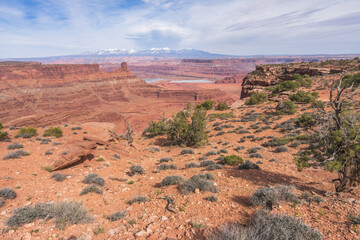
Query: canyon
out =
(40, 94)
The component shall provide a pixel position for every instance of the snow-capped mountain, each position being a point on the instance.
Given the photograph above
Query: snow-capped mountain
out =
(154, 52)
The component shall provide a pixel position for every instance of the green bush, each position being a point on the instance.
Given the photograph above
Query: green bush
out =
(222, 106)
(2, 135)
(156, 128)
(27, 132)
(208, 105)
(318, 104)
(284, 86)
(257, 98)
(348, 80)
(303, 97)
(189, 129)
(54, 132)
(305, 82)
(285, 108)
(305, 120)
(233, 160)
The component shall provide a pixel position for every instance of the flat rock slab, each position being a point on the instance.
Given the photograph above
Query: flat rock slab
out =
(71, 153)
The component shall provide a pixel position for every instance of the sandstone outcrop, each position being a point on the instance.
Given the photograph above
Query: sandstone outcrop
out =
(270, 75)
(72, 153)
(236, 79)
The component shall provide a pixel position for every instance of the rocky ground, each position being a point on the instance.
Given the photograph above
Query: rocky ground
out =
(194, 215)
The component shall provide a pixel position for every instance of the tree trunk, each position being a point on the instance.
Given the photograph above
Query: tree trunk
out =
(349, 177)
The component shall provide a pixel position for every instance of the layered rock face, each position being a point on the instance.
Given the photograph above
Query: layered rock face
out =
(269, 75)
(37, 94)
(236, 79)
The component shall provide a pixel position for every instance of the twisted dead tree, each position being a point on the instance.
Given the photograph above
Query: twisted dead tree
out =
(336, 142)
(127, 134)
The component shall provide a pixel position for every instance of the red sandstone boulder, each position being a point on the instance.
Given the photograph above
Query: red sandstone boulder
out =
(72, 153)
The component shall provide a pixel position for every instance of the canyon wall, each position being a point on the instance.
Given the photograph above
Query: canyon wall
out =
(36, 94)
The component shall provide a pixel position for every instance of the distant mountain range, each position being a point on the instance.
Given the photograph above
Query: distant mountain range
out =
(155, 52)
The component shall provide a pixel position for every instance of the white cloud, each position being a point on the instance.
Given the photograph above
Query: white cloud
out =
(229, 26)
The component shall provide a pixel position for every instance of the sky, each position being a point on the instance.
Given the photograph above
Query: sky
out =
(38, 28)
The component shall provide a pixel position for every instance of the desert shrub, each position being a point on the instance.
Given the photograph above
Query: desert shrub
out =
(222, 151)
(303, 97)
(2, 203)
(286, 86)
(191, 165)
(117, 216)
(229, 231)
(308, 198)
(15, 146)
(210, 153)
(93, 178)
(27, 132)
(167, 167)
(138, 199)
(53, 132)
(282, 227)
(285, 108)
(295, 144)
(239, 148)
(183, 131)
(208, 105)
(355, 219)
(305, 120)
(156, 128)
(117, 156)
(15, 154)
(166, 159)
(92, 188)
(207, 163)
(305, 82)
(211, 198)
(172, 180)
(76, 128)
(222, 106)
(255, 155)
(63, 213)
(214, 167)
(7, 193)
(137, 169)
(254, 149)
(233, 160)
(2, 135)
(267, 227)
(271, 196)
(201, 182)
(249, 165)
(59, 177)
(187, 151)
(281, 149)
(318, 104)
(257, 98)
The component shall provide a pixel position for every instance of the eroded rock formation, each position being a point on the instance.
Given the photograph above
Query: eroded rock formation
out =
(39, 94)
(269, 75)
